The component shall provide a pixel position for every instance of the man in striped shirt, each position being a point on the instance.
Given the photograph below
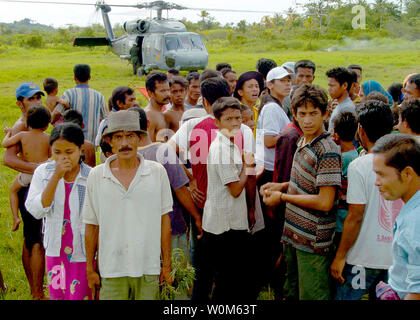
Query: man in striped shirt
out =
(310, 198)
(89, 102)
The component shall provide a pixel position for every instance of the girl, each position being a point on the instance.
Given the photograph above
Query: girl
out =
(57, 193)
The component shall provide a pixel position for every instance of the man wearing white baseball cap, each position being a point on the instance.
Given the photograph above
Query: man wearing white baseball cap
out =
(271, 122)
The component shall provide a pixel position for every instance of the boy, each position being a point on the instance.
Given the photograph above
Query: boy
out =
(247, 117)
(51, 88)
(178, 89)
(310, 198)
(225, 215)
(344, 130)
(88, 150)
(340, 82)
(35, 148)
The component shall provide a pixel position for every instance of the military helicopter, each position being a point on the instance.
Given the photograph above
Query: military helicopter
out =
(149, 44)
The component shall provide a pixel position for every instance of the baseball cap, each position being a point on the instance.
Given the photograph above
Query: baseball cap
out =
(277, 73)
(290, 65)
(123, 120)
(27, 90)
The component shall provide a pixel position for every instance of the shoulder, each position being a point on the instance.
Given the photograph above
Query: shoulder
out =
(96, 171)
(327, 145)
(361, 163)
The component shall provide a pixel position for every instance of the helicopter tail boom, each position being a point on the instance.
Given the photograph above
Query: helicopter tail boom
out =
(91, 41)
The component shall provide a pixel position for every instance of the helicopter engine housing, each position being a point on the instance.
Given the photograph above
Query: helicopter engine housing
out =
(136, 26)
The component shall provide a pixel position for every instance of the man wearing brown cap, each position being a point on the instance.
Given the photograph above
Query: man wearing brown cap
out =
(127, 203)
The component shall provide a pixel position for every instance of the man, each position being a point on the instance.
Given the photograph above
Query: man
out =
(172, 73)
(157, 86)
(354, 92)
(358, 69)
(364, 253)
(264, 66)
(89, 102)
(193, 92)
(126, 209)
(339, 85)
(178, 89)
(305, 71)
(409, 117)
(310, 199)
(396, 160)
(272, 120)
(198, 110)
(122, 98)
(28, 95)
(135, 55)
(412, 88)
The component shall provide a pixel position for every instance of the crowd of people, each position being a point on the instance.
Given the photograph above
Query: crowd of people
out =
(262, 181)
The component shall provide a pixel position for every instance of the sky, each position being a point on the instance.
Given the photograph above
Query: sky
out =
(61, 15)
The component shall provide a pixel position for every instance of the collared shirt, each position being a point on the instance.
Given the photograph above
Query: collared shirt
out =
(315, 164)
(90, 103)
(404, 274)
(129, 220)
(222, 211)
(54, 214)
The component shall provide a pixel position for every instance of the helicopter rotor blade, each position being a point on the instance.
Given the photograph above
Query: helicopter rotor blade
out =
(147, 5)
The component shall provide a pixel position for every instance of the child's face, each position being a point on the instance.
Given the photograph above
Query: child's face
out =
(248, 118)
(250, 91)
(310, 119)
(230, 122)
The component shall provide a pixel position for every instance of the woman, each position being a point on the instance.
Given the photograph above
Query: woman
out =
(57, 193)
(370, 86)
(248, 89)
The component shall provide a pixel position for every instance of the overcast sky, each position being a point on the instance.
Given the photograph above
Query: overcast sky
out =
(61, 15)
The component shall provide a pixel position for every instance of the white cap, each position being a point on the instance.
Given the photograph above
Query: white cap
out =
(277, 73)
(289, 65)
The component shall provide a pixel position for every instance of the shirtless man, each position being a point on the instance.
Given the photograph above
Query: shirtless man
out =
(27, 95)
(178, 88)
(157, 86)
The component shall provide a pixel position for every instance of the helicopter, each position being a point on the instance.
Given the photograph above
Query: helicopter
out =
(153, 43)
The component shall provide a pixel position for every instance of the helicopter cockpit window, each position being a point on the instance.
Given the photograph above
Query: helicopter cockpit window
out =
(197, 42)
(171, 42)
(185, 41)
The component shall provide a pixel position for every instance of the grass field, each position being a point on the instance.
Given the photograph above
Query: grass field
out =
(108, 71)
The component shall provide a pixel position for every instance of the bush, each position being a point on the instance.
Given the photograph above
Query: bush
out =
(34, 41)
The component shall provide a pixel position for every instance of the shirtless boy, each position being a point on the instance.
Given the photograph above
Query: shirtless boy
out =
(178, 88)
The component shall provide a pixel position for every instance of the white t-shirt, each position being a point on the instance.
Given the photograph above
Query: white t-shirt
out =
(271, 122)
(129, 220)
(373, 247)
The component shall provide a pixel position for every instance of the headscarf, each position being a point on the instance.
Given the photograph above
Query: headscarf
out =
(245, 77)
(371, 85)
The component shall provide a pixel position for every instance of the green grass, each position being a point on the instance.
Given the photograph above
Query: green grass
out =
(108, 71)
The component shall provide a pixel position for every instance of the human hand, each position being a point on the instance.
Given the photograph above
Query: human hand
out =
(7, 129)
(272, 198)
(165, 275)
(337, 269)
(198, 224)
(16, 222)
(61, 167)
(196, 194)
(94, 282)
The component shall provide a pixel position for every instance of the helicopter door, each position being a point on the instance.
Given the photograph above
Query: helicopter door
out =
(152, 49)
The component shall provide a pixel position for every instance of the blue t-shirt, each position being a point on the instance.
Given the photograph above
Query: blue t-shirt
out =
(343, 208)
